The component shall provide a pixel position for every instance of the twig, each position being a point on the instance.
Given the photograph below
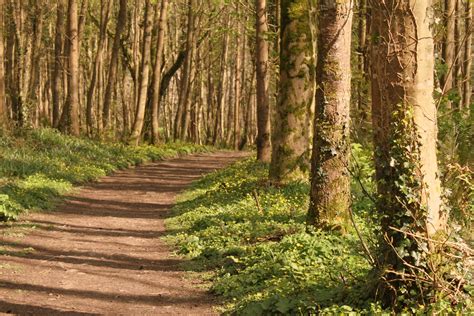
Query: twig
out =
(456, 246)
(257, 202)
(362, 241)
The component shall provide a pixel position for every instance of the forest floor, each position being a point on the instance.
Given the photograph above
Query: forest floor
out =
(100, 252)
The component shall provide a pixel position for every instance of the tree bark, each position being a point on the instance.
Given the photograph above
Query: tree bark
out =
(104, 20)
(405, 130)
(219, 120)
(330, 190)
(155, 102)
(467, 90)
(186, 80)
(290, 142)
(459, 52)
(144, 78)
(3, 105)
(112, 73)
(238, 84)
(449, 46)
(362, 110)
(13, 69)
(263, 102)
(58, 63)
(34, 69)
(70, 118)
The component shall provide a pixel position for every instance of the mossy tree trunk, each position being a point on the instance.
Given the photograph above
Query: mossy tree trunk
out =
(330, 192)
(263, 101)
(290, 138)
(405, 133)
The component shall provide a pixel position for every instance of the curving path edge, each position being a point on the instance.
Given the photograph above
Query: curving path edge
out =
(100, 251)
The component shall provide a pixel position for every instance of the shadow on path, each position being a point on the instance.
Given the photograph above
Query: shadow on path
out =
(100, 252)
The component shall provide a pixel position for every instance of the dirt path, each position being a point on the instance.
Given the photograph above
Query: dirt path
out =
(100, 252)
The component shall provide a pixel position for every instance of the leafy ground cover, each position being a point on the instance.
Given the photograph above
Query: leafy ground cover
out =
(252, 239)
(39, 166)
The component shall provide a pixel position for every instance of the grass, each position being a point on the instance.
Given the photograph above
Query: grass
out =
(250, 239)
(254, 238)
(39, 166)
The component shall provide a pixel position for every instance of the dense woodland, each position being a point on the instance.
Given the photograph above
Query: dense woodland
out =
(370, 100)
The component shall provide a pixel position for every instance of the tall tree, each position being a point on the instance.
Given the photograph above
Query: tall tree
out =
(290, 137)
(155, 102)
(405, 133)
(104, 20)
(3, 104)
(330, 191)
(219, 118)
(58, 62)
(447, 80)
(113, 65)
(13, 57)
(467, 90)
(183, 112)
(144, 76)
(263, 101)
(34, 70)
(70, 117)
(238, 82)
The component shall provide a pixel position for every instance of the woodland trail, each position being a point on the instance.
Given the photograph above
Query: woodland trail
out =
(100, 251)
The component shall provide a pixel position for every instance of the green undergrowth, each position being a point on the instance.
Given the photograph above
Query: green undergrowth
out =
(253, 237)
(250, 240)
(38, 166)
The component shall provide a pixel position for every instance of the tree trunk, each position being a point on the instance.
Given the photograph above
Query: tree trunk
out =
(362, 110)
(144, 78)
(449, 46)
(467, 90)
(330, 191)
(155, 102)
(210, 106)
(104, 20)
(248, 122)
(290, 143)
(32, 94)
(240, 51)
(263, 103)
(182, 113)
(112, 74)
(459, 52)
(3, 105)
(188, 70)
(58, 63)
(219, 121)
(13, 68)
(70, 118)
(405, 131)
(229, 92)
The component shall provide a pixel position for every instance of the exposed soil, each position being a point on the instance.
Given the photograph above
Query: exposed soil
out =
(100, 251)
